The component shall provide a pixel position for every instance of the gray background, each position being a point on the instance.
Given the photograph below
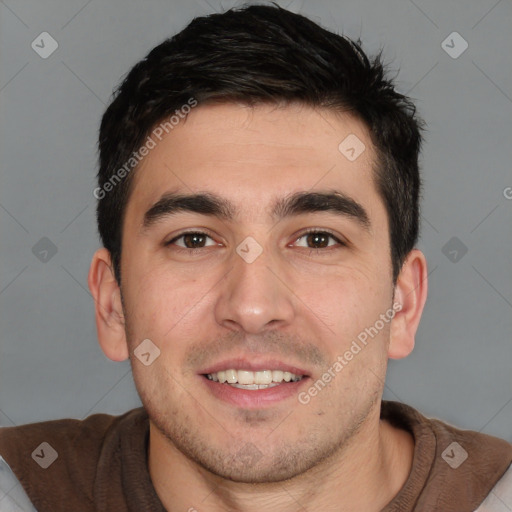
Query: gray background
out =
(51, 365)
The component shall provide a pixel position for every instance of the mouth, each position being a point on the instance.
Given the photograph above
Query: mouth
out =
(253, 385)
(253, 380)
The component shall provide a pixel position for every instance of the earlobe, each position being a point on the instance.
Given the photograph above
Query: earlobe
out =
(108, 306)
(410, 296)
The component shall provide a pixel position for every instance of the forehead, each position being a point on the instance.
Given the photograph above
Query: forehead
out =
(253, 155)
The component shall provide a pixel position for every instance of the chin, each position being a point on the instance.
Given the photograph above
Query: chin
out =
(263, 472)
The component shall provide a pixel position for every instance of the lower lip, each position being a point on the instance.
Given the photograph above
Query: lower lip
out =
(256, 398)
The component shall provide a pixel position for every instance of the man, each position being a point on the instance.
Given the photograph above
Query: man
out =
(258, 205)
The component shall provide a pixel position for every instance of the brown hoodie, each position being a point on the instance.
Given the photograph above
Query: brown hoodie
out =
(101, 463)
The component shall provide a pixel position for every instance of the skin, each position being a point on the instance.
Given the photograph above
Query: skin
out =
(298, 304)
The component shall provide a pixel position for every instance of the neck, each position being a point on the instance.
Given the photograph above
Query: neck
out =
(366, 474)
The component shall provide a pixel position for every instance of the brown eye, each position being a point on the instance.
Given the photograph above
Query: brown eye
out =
(317, 240)
(192, 240)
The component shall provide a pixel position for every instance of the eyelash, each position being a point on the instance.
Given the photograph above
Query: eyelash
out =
(188, 249)
(303, 234)
(321, 232)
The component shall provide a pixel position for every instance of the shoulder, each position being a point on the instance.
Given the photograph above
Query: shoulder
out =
(468, 459)
(452, 466)
(86, 434)
(83, 433)
(489, 451)
(66, 450)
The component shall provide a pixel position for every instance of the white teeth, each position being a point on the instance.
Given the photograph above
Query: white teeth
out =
(277, 375)
(247, 379)
(264, 377)
(231, 376)
(254, 386)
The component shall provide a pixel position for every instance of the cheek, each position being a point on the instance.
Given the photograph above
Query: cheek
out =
(347, 301)
(161, 304)
(165, 310)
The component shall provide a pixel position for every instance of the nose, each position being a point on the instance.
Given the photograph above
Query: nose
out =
(254, 296)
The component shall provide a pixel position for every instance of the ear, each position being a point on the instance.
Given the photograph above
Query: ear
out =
(109, 311)
(410, 296)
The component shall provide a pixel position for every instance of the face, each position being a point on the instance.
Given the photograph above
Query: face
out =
(252, 246)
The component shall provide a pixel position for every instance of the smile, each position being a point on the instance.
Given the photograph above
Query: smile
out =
(246, 379)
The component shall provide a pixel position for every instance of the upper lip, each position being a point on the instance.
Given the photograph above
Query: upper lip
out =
(253, 365)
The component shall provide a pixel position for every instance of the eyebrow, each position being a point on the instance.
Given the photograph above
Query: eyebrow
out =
(296, 204)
